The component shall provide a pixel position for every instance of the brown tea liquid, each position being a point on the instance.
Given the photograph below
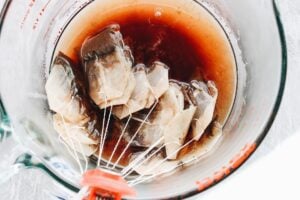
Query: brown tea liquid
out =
(188, 39)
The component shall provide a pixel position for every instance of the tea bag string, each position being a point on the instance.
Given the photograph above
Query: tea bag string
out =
(122, 134)
(140, 178)
(119, 140)
(72, 144)
(134, 136)
(133, 183)
(142, 158)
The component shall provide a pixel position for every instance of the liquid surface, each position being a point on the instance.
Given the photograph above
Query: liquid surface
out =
(192, 44)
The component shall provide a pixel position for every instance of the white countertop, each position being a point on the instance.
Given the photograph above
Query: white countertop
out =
(273, 170)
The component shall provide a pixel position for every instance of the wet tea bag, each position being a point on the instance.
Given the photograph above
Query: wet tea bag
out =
(151, 84)
(62, 91)
(169, 104)
(158, 77)
(204, 97)
(177, 128)
(170, 120)
(139, 96)
(125, 97)
(154, 164)
(108, 65)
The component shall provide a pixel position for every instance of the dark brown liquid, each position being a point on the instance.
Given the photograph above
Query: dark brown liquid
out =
(193, 45)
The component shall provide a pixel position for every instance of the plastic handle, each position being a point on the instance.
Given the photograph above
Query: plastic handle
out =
(106, 184)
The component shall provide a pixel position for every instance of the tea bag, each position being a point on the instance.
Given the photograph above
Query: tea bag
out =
(177, 130)
(62, 91)
(170, 120)
(152, 130)
(151, 84)
(204, 97)
(125, 97)
(139, 96)
(157, 164)
(108, 65)
(158, 77)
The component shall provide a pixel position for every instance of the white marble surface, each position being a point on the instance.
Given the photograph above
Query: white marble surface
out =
(269, 172)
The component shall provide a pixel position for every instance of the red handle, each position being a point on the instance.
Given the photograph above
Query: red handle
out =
(106, 184)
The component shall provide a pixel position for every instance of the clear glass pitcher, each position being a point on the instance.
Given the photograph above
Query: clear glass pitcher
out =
(31, 30)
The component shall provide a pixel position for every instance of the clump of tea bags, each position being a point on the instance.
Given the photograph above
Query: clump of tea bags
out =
(154, 111)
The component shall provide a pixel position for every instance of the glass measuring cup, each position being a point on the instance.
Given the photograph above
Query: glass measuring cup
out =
(31, 31)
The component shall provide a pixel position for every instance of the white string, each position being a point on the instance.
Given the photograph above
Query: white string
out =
(161, 162)
(83, 154)
(103, 122)
(81, 151)
(105, 134)
(147, 158)
(123, 132)
(134, 136)
(139, 120)
(130, 183)
(62, 140)
(76, 140)
(141, 156)
(102, 132)
(118, 142)
(72, 144)
(81, 148)
(140, 159)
